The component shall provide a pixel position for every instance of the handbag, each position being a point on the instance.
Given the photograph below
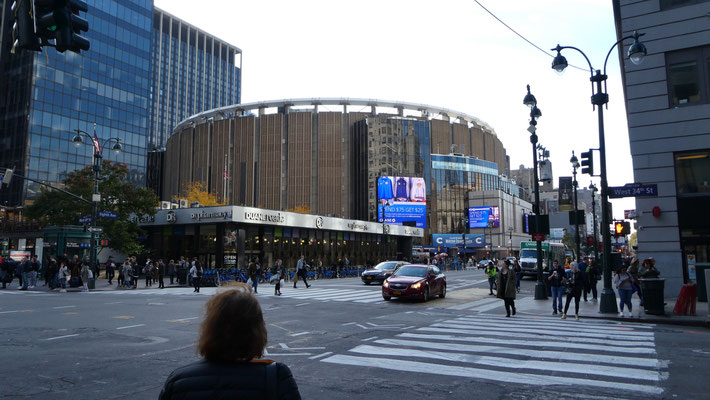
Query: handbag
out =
(249, 282)
(91, 274)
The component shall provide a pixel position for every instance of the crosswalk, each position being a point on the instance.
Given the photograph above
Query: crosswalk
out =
(535, 351)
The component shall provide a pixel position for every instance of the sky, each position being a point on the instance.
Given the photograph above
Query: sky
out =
(449, 54)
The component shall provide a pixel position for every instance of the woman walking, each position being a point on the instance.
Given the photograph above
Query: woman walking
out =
(575, 285)
(64, 275)
(624, 283)
(196, 274)
(506, 286)
(276, 277)
(84, 273)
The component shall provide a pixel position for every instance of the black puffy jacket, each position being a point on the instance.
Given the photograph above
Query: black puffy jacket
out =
(213, 380)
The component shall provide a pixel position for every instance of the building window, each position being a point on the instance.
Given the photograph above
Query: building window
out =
(688, 74)
(669, 4)
(693, 173)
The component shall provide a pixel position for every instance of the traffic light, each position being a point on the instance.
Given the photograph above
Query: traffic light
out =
(70, 26)
(587, 162)
(23, 27)
(621, 228)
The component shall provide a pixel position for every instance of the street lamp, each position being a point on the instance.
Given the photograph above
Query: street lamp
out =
(96, 198)
(575, 165)
(636, 53)
(464, 223)
(385, 230)
(530, 101)
(594, 190)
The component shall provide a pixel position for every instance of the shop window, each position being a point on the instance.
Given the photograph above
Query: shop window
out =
(688, 74)
(693, 173)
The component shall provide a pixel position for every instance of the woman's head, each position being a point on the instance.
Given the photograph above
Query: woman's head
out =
(573, 266)
(233, 329)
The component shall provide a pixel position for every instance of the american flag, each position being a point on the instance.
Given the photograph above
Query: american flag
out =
(226, 174)
(97, 146)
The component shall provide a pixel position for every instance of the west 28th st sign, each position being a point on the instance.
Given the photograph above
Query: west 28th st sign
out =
(633, 190)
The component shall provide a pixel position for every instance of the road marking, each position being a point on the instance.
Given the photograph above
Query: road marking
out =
(57, 308)
(156, 304)
(300, 333)
(320, 355)
(485, 374)
(302, 304)
(285, 347)
(62, 337)
(123, 317)
(472, 304)
(15, 311)
(181, 319)
(130, 326)
(370, 338)
(70, 313)
(114, 302)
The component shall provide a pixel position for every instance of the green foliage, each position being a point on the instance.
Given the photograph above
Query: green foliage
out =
(568, 240)
(117, 194)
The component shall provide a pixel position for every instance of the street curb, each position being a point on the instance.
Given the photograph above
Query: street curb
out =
(655, 320)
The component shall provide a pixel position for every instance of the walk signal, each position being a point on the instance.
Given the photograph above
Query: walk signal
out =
(622, 228)
(587, 162)
(23, 27)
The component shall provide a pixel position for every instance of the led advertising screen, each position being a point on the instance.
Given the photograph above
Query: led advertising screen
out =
(401, 200)
(478, 217)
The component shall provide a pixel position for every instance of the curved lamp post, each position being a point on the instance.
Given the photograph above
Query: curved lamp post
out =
(96, 197)
(575, 164)
(535, 113)
(636, 53)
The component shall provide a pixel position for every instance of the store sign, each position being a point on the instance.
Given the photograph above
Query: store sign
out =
(357, 226)
(18, 255)
(454, 240)
(230, 260)
(277, 218)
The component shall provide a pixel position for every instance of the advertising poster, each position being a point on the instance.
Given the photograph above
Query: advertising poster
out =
(479, 217)
(401, 200)
(566, 192)
(454, 240)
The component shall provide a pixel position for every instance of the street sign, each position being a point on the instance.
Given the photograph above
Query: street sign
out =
(629, 214)
(84, 220)
(108, 214)
(538, 237)
(98, 229)
(633, 190)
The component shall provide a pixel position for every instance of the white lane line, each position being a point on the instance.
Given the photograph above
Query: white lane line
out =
(10, 312)
(130, 326)
(181, 319)
(300, 333)
(302, 304)
(557, 325)
(531, 365)
(481, 302)
(61, 337)
(591, 358)
(56, 308)
(536, 333)
(615, 326)
(368, 339)
(485, 374)
(556, 344)
(114, 302)
(320, 355)
(486, 307)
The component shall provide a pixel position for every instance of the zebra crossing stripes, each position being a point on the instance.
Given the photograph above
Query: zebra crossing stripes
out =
(529, 351)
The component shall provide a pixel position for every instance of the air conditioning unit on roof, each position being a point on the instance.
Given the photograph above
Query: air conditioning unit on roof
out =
(164, 205)
(183, 203)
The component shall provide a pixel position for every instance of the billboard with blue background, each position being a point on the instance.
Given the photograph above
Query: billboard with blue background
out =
(401, 199)
(478, 217)
(456, 240)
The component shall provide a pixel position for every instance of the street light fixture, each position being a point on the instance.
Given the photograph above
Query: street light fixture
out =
(535, 113)
(594, 190)
(575, 164)
(96, 198)
(636, 53)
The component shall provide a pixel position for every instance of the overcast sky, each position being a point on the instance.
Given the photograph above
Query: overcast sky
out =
(449, 54)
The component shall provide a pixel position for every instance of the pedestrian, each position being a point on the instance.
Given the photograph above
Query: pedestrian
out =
(301, 268)
(161, 274)
(155, 271)
(557, 280)
(506, 287)
(196, 274)
(276, 272)
(623, 281)
(3, 272)
(85, 274)
(26, 271)
(63, 275)
(35, 271)
(171, 271)
(648, 269)
(254, 271)
(633, 270)
(127, 273)
(110, 269)
(593, 275)
(232, 340)
(518, 274)
(582, 267)
(491, 272)
(574, 288)
(135, 273)
(50, 275)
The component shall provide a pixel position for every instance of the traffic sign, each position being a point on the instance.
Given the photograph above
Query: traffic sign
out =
(538, 237)
(633, 190)
(108, 214)
(84, 220)
(98, 229)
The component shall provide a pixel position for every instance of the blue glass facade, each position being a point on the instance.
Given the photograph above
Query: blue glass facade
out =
(192, 72)
(107, 86)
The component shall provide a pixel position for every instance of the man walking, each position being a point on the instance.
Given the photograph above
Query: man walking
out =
(26, 271)
(301, 268)
(582, 266)
(491, 272)
(254, 271)
(110, 269)
(161, 274)
(557, 286)
(196, 274)
(171, 271)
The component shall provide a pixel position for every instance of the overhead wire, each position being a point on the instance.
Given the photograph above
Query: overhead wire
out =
(523, 37)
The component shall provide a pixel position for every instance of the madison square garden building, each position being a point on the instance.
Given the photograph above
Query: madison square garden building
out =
(324, 157)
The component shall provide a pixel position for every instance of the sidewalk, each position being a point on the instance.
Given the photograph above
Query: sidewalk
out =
(590, 309)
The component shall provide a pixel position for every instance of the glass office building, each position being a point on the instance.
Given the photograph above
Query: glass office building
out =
(193, 71)
(47, 96)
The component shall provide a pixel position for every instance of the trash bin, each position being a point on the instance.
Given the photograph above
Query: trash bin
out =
(700, 271)
(182, 276)
(653, 300)
(92, 283)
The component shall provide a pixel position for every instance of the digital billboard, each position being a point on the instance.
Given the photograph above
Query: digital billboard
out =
(401, 200)
(478, 217)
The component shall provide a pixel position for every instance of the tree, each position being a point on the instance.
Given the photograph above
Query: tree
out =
(197, 192)
(301, 209)
(568, 240)
(117, 195)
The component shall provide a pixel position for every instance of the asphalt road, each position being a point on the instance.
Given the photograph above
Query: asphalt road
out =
(342, 341)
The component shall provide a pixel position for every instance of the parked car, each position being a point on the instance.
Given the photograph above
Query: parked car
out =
(380, 272)
(484, 263)
(511, 259)
(415, 281)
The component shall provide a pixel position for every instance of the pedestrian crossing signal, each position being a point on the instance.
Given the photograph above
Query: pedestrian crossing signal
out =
(621, 228)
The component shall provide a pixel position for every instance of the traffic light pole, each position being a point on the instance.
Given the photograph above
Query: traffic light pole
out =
(96, 198)
(540, 289)
(576, 214)
(594, 220)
